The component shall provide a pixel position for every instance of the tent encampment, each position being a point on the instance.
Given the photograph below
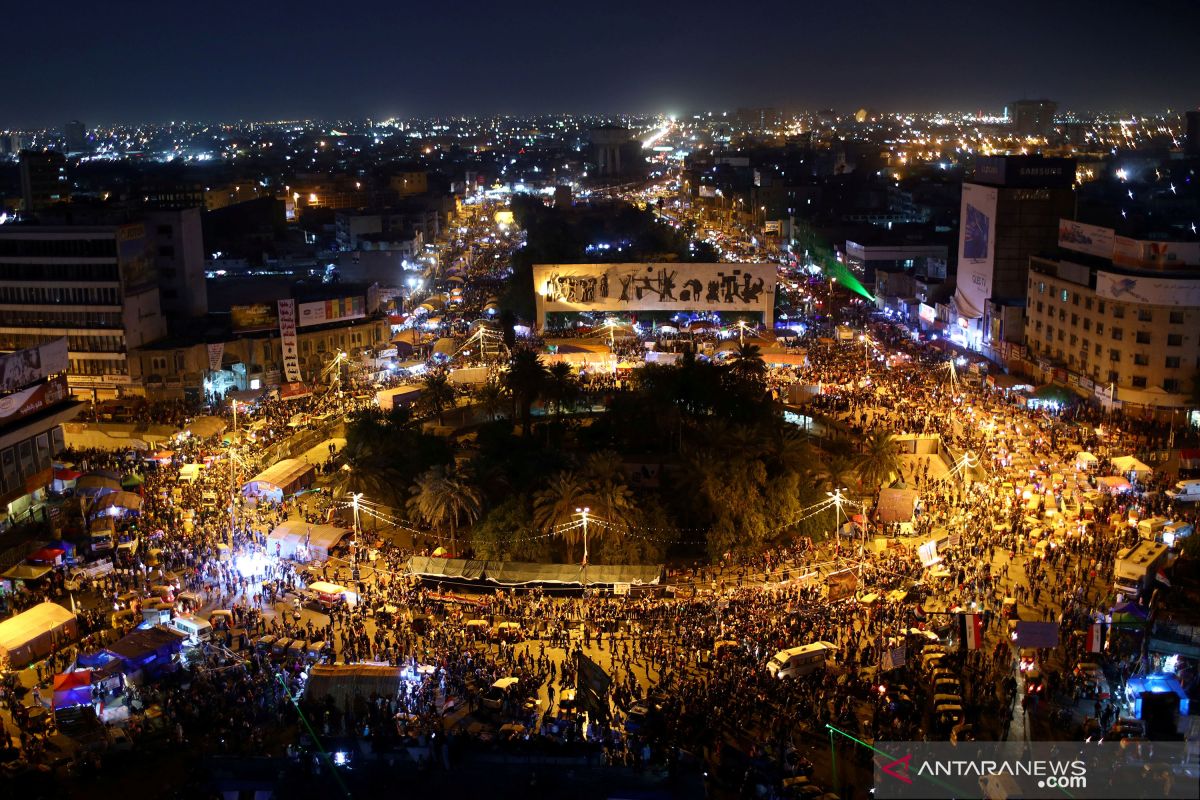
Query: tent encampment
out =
(1128, 464)
(289, 537)
(93, 485)
(116, 503)
(282, 478)
(345, 682)
(35, 633)
(520, 573)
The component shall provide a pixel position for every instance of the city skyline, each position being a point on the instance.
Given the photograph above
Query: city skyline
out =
(541, 60)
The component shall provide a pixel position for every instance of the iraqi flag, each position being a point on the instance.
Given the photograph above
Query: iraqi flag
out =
(971, 628)
(1162, 578)
(1095, 637)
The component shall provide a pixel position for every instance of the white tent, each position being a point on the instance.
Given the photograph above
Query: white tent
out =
(35, 633)
(1128, 464)
(1084, 460)
(284, 477)
(288, 539)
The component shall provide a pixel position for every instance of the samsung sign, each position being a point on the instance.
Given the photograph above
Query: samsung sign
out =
(1025, 171)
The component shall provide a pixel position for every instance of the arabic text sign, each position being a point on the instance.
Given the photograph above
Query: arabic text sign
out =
(1153, 291)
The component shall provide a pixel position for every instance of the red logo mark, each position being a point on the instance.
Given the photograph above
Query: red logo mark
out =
(901, 765)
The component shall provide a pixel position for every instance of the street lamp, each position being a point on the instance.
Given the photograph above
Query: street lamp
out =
(866, 354)
(354, 498)
(584, 512)
(836, 494)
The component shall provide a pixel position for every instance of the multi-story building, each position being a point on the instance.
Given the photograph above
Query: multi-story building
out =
(44, 179)
(1009, 211)
(34, 403)
(176, 243)
(1117, 318)
(1034, 117)
(75, 136)
(94, 285)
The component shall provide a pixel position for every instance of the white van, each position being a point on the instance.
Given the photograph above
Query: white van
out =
(797, 661)
(197, 630)
(1187, 491)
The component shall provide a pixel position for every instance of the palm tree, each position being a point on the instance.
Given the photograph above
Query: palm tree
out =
(555, 506)
(879, 460)
(525, 381)
(613, 503)
(562, 389)
(835, 472)
(365, 471)
(436, 394)
(491, 397)
(747, 363)
(444, 502)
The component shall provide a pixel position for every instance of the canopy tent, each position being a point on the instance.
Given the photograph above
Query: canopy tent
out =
(289, 537)
(445, 347)
(95, 485)
(1128, 464)
(1189, 458)
(1085, 460)
(33, 634)
(147, 648)
(46, 555)
(73, 689)
(346, 682)
(27, 572)
(897, 505)
(132, 481)
(519, 573)
(116, 503)
(206, 427)
(1113, 483)
(282, 478)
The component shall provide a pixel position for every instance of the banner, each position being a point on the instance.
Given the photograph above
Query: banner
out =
(976, 249)
(1037, 634)
(293, 391)
(893, 658)
(253, 317)
(215, 352)
(1148, 291)
(330, 311)
(841, 585)
(592, 685)
(287, 338)
(23, 367)
(1090, 239)
(1154, 255)
(32, 400)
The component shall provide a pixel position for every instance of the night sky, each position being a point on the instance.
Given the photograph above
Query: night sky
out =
(128, 62)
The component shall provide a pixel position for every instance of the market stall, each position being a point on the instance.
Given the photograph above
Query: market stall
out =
(35, 633)
(281, 479)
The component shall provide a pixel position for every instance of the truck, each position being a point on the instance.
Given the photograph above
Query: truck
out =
(1136, 566)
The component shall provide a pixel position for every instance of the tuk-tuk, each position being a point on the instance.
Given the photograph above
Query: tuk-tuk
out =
(263, 643)
(507, 631)
(314, 651)
(221, 619)
(297, 649)
(122, 617)
(154, 557)
(280, 646)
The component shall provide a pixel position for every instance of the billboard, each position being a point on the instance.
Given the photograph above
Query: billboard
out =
(976, 249)
(1028, 172)
(1152, 291)
(1154, 255)
(23, 367)
(330, 311)
(655, 287)
(254, 317)
(137, 267)
(1090, 239)
(287, 339)
(32, 400)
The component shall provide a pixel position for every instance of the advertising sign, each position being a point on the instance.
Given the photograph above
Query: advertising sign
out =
(137, 268)
(976, 249)
(23, 367)
(32, 400)
(287, 337)
(927, 313)
(1149, 291)
(1154, 255)
(253, 317)
(330, 311)
(1091, 239)
(655, 287)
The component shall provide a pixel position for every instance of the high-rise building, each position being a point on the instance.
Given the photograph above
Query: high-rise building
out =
(34, 403)
(1034, 117)
(93, 284)
(1116, 317)
(43, 179)
(75, 135)
(608, 141)
(176, 244)
(1191, 142)
(1009, 211)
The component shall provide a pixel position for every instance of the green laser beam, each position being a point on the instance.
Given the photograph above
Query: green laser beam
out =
(320, 748)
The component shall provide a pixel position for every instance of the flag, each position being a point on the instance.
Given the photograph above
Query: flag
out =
(892, 658)
(592, 684)
(1095, 637)
(971, 628)
(1162, 578)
